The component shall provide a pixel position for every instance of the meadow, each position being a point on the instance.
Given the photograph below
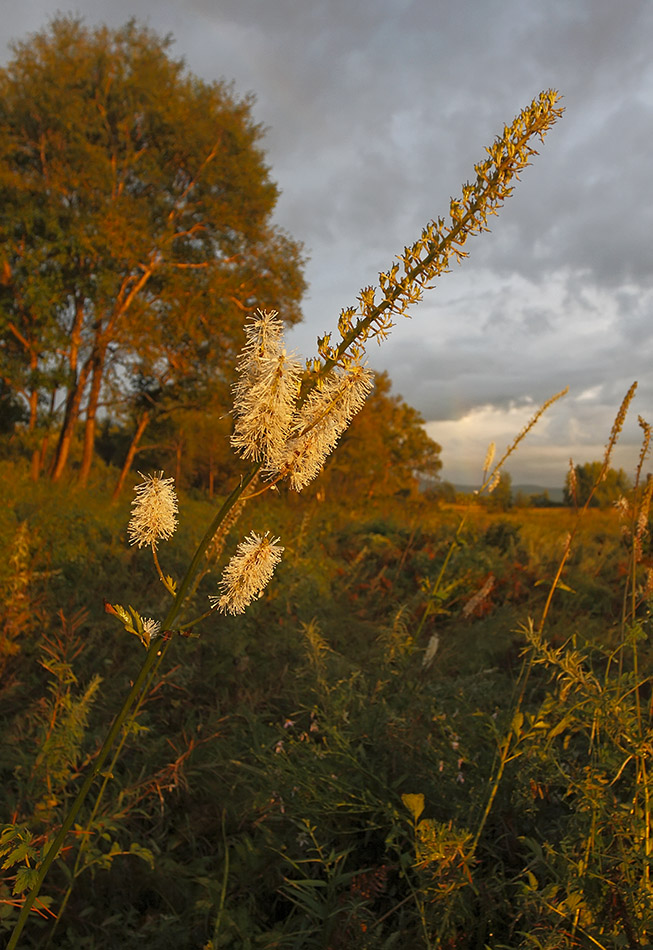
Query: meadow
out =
(430, 728)
(369, 757)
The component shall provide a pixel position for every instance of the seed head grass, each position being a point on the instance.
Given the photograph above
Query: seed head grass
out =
(154, 511)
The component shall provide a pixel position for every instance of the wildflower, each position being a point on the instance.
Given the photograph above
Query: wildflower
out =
(494, 481)
(151, 627)
(431, 650)
(320, 422)
(479, 597)
(247, 573)
(266, 391)
(489, 458)
(573, 482)
(154, 509)
(622, 506)
(264, 335)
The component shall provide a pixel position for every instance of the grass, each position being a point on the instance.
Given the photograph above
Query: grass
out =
(258, 800)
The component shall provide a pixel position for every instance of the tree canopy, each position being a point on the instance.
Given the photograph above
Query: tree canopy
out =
(135, 224)
(385, 450)
(613, 485)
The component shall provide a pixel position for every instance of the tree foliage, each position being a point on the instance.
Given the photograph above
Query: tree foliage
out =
(500, 498)
(385, 450)
(135, 221)
(614, 484)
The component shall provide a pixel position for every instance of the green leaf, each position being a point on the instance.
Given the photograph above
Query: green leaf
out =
(144, 853)
(414, 804)
(561, 726)
(25, 880)
(517, 723)
(119, 612)
(138, 622)
(23, 852)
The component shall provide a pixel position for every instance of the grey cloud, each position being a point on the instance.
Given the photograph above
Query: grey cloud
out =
(376, 113)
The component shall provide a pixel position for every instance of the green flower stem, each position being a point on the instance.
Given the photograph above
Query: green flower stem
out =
(208, 537)
(162, 576)
(141, 685)
(436, 587)
(94, 769)
(193, 623)
(107, 775)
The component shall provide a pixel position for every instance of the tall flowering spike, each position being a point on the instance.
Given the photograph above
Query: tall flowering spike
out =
(320, 422)
(247, 573)
(264, 338)
(489, 458)
(441, 243)
(266, 391)
(153, 511)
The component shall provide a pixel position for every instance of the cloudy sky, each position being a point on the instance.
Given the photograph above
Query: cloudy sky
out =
(377, 111)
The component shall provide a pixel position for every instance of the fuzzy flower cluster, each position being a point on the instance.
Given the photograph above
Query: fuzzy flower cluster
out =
(266, 391)
(154, 511)
(321, 421)
(247, 573)
(292, 439)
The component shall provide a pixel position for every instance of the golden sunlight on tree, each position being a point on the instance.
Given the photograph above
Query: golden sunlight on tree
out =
(136, 230)
(385, 451)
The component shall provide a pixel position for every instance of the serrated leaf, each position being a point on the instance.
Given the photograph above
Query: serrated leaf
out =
(25, 880)
(118, 611)
(172, 584)
(138, 621)
(24, 851)
(414, 804)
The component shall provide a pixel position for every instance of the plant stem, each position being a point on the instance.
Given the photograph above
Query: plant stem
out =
(94, 769)
(107, 775)
(141, 684)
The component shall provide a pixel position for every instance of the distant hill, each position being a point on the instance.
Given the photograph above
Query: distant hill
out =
(555, 494)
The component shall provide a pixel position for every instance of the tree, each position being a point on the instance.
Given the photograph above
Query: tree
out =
(135, 222)
(500, 498)
(615, 484)
(385, 450)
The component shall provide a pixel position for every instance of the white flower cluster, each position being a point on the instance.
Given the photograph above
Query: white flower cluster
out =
(291, 440)
(247, 573)
(266, 391)
(154, 511)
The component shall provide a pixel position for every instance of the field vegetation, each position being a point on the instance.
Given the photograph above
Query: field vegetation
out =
(432, 726)
(360, 760)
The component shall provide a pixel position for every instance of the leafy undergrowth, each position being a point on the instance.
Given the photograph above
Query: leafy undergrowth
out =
(368, 758)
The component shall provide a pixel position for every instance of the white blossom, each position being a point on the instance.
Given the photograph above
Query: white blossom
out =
(153, 511)
(247, 573)
(320, 422)
(266, 391)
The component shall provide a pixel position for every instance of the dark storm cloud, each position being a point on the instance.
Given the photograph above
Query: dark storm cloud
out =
(376, 113)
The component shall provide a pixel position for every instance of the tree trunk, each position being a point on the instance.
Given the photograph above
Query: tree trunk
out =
(36, 466)
(180, 446)
(44, 449)
(74, 400)
(70, 420)
(91, 412)
(133, 448)
(33, 398)
(211, 475)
